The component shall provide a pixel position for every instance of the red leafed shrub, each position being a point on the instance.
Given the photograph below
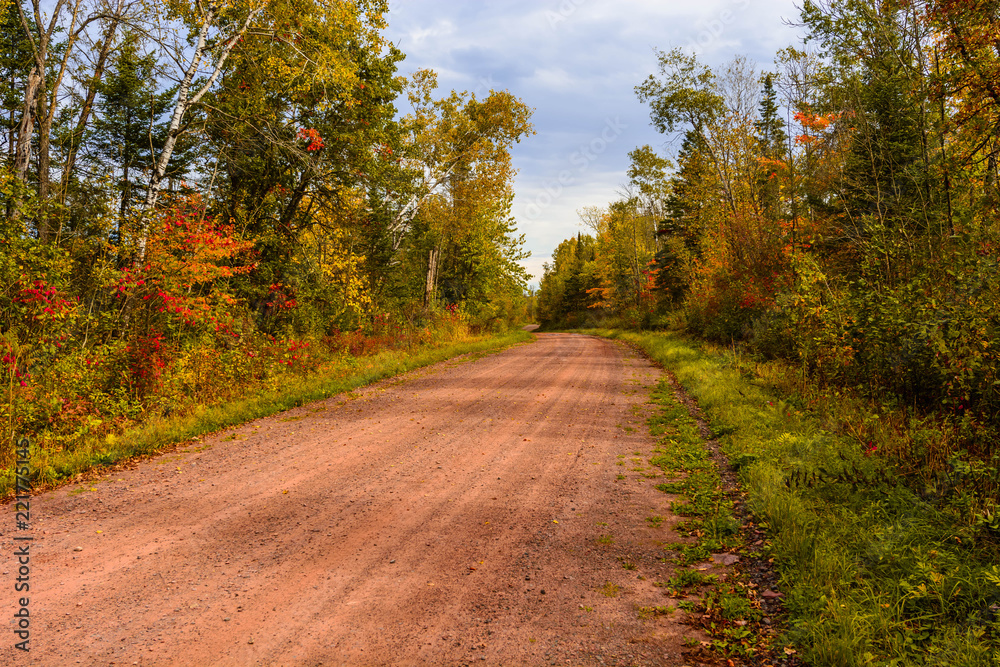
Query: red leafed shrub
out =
(147, 358)
(183, 282)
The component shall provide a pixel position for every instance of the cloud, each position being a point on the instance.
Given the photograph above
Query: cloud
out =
(576, 62)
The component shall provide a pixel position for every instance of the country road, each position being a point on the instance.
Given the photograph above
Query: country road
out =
(476, 512)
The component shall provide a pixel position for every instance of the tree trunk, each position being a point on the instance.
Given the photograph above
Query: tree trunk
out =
(88, 104)
(185, 100)
(432, 267)
(45, 223)
(27, 127)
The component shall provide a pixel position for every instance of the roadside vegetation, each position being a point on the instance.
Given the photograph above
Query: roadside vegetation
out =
(263, 205)
(822, 253)
(223, 401)
(879, 563)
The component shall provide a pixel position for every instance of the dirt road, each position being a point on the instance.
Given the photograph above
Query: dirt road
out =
(487, 512)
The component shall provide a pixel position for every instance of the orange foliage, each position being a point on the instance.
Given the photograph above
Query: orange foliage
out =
(189, 257)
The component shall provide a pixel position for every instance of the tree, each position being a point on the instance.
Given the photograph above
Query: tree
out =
(304, 161)
(15, 60)
(43, 86)
(127, 129)
(459, 147)
(772, 146)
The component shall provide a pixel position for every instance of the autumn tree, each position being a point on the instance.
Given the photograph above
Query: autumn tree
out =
(720, 205)
(567, 288)
(459, 147)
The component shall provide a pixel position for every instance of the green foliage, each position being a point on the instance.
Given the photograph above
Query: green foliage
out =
(877, 568)
(254, 223)
(564, 293)
(205, 389)
(128, 127)
(858, 241)
(685, 96)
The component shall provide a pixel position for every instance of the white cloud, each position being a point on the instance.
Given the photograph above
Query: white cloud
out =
(553, 78)
(577, 63)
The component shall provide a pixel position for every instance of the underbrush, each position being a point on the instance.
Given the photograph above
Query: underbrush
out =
(100, 405)
(884, 558)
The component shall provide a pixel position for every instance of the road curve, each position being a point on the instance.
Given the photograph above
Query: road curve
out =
(480, 512)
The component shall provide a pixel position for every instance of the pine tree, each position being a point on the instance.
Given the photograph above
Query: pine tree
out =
(771, 141)
(128, 127)
(15, 62)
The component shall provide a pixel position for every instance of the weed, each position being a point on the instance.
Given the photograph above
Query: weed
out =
(605, 540)
(132, 433)
(609, 590)
(652, 612)
(731, 604)
(882, 532)
(687, 579)
(655, 521)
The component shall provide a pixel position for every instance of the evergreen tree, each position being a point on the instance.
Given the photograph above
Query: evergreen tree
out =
(15, 62)
(772, 144)
(128, 127)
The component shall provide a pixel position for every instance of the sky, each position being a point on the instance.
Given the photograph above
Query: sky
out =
(577, 63)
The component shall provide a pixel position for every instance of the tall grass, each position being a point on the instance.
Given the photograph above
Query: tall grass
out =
(879, 565)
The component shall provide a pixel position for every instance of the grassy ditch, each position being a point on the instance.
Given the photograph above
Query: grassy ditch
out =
(729, 610)
(50, 467)
(876, 570)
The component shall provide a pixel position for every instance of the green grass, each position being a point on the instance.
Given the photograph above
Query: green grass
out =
(685, 579)
(50, 468)
(876, 571)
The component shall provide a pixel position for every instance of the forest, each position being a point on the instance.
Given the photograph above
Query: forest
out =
(823, 235)
(838, 212)
(203, 199)
(204, 205)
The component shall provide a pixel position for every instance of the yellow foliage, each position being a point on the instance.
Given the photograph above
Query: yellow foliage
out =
(331, 248)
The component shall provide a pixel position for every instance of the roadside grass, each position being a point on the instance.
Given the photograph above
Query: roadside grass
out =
(49, 468)
(881, 561)
(725, 610)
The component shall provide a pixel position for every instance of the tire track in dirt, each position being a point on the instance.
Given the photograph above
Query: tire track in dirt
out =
(451, 516)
